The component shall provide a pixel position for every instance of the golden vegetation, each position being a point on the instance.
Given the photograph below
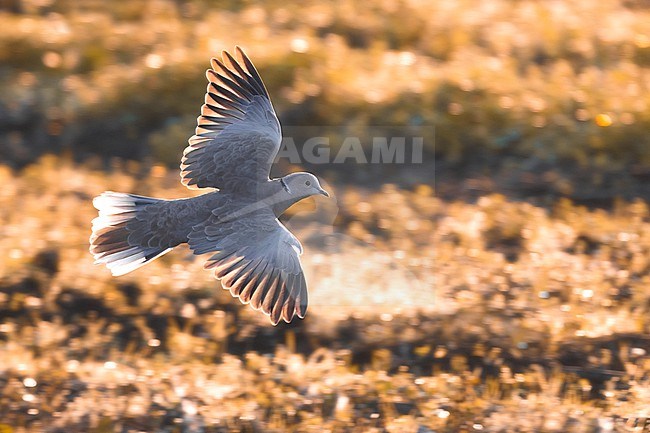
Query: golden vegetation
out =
(425, 316)
(559, 82)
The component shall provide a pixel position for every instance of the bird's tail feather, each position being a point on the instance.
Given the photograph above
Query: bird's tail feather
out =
(109, 242)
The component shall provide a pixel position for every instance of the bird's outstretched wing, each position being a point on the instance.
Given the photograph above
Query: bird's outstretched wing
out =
(257, 259)
(237, 135)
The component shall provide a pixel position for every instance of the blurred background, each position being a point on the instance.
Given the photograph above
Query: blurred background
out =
(504, 278)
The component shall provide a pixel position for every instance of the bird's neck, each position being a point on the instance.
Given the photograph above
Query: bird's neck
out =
(279, 198)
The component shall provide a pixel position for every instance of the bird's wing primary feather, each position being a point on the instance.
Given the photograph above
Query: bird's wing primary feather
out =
(257, 259)
(238, 133)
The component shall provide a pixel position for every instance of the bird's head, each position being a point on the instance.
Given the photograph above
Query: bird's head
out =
(301, 185)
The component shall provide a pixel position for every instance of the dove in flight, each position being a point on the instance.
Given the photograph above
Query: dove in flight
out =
(236, 140)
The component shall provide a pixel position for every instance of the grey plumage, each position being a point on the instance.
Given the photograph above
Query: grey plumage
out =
(237, 137)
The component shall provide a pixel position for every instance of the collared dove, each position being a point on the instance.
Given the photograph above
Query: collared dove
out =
(253, 254)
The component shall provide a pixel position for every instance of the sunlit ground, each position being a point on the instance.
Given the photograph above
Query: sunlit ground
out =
(450, 310)
(535, 84)
(425, 316)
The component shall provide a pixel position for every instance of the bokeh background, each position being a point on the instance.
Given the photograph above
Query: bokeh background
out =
(500, 286)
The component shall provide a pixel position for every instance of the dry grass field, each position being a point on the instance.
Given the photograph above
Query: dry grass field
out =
(425, 316)
(502, 286)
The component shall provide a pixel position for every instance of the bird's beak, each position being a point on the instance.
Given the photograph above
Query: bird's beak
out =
(323, 192)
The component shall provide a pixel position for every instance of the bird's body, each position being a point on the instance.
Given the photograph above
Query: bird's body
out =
(255, 256)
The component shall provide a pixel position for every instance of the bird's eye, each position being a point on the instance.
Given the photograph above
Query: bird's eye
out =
(307, 183)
